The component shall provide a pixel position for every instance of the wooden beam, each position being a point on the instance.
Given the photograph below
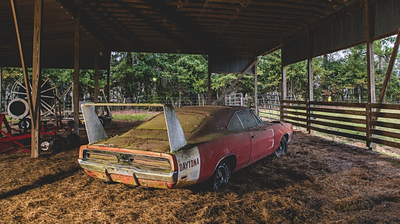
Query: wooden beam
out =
(369, 24)
(284, 78)
(108, 79)
(390, 67)
(209, 84)
(370, 51)
(96, 73)
(21, 54)
(310, 69)
(284, 82)
(234, 83)
(36, 77)
(388, 74)
(75, 83)
(256, 87)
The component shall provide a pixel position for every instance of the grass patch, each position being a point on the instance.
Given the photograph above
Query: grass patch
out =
(131, 117)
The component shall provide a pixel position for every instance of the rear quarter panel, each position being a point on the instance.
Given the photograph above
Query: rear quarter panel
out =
(280, 130)
(211, 153)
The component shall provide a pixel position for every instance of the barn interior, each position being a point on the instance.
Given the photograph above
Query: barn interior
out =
(82, 34)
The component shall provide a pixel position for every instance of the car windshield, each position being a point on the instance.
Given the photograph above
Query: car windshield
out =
(189, 122)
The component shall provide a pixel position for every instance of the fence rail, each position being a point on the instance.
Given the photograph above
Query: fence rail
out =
(372, 123)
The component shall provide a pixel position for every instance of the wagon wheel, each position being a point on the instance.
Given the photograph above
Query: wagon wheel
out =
(221, 175)
(48, 90)
(282, 148)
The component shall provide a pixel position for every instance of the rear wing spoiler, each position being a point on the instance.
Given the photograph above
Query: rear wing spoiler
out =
(96, 132)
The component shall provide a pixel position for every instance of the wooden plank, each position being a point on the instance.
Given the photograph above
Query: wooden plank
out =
(294, 101)
(339, 111)
(345, 119)
(385, 142)
(385, 106)
(385, 115)
(385, 124)
(294, 107)
(340, 104)
(359, 137)
(295, 113)
(75, 83)
(385, 133)
(296, 124)
(341, 126)
(36, 76)
(295, 118)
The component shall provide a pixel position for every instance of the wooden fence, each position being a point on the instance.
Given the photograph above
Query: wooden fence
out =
(372, 123)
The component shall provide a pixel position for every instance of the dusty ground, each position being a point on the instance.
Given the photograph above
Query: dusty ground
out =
(318, 181)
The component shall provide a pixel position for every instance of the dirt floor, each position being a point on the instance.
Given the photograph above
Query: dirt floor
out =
(318, 181)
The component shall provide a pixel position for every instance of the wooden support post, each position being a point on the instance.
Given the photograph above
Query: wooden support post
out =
(370, 58)
(108, 79)
(256, 88)
(284, 69)
(96, 74)
(75, 83)
(36, 76)
(284, 81)
(234, 83)
(310, 79)
(310, 71)
(370, 51)
(208, 83)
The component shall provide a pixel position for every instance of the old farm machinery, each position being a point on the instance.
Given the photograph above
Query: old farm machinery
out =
(54, 134)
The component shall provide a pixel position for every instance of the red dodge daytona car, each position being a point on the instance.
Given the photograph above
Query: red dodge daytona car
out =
(182, 147)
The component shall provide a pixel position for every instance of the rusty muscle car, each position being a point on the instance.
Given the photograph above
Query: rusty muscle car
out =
(182, 147)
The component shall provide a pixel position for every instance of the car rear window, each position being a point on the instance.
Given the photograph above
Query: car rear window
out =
(189, 122)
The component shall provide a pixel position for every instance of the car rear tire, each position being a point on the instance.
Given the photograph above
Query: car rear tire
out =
(221, 175)
(282, 148)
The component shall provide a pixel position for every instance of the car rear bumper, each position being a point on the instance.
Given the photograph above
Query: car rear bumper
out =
(129, 175)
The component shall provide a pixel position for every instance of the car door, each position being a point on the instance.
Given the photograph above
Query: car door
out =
(239, 141)
(263, 142)
(262, 135)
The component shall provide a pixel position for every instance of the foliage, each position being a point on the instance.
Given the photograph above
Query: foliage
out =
(155, 77)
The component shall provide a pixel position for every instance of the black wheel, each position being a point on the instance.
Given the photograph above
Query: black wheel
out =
(73, 140)
(221, 175)
(24, 123)
(45, 146)
(282, 148)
